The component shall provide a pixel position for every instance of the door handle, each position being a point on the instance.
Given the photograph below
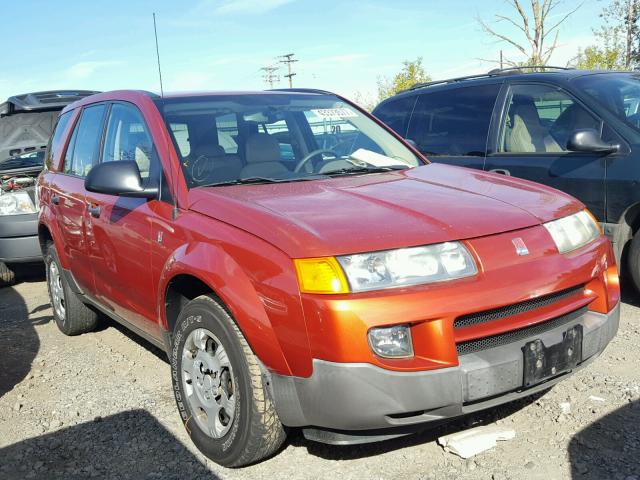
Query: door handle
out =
(94, 210)
(501, 171)
(55, 199)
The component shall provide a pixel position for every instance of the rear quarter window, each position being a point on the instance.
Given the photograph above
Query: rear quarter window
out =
(56, 141)
(453, 122)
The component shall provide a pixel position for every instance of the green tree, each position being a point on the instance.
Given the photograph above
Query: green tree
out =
(620, 31)
(617, 40)
(597, 57)
(412, 73)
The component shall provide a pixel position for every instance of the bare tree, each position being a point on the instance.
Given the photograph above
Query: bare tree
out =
(538, 30)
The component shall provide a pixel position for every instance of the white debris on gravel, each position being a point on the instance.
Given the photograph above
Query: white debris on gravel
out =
(565, 407)
(471, 442)
(594, 398)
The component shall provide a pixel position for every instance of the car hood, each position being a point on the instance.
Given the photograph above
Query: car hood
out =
(351, 214)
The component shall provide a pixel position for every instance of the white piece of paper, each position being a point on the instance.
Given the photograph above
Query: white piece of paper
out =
(334, 112)
(375, 159)
(476, 440)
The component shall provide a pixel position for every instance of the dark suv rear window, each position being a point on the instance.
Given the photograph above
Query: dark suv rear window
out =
(453, 122)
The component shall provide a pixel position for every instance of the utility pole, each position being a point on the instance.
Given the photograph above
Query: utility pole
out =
(288, 60)
(501, 63)
(269, 75)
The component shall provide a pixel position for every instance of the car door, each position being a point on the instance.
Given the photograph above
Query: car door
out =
(452, 125)
(119, 228)
(68, 195)
(529, 140)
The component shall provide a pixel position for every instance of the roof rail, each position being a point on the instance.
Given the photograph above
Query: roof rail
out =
(527, 67)
(492, 73)
(300, 90)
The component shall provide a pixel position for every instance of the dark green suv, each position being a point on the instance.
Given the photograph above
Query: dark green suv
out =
(575, 130)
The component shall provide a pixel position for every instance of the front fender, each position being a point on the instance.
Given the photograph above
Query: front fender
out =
(230, 282)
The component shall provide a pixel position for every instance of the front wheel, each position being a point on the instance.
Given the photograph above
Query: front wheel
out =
(219, 388)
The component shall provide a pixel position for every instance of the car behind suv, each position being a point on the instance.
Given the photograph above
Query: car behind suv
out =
(574, 130)
(304, 267)
(26, 123)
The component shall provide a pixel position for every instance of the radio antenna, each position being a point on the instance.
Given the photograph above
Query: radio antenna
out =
(155, 32)
(174, 194)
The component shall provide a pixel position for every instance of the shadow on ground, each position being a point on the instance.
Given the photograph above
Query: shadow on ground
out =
(131, 445)
(19, 343)
(609, 447)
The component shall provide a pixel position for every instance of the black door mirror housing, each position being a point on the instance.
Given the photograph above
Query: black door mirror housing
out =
(588, 140)
(120, 178)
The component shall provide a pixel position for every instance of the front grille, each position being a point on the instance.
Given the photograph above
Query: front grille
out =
(515, 309)
(493, 341)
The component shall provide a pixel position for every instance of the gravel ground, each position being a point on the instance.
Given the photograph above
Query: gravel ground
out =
(100, 405)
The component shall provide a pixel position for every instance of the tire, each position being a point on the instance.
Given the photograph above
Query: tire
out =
(252, 430)
(71, 315)
(7, 276)
(633, 261)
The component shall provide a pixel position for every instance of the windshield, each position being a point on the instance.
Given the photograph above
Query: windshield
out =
(26, 160)
(277, 137)
(617, 92)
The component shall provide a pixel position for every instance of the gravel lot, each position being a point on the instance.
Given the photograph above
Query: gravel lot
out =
(100, 405)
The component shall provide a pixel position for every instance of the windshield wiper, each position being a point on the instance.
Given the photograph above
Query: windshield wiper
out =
(365, 169)
(257, 180)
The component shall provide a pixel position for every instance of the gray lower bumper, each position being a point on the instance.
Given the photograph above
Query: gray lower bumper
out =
(361, 396)
(19, 239)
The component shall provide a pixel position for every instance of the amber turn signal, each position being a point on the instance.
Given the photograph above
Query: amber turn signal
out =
(320, 275)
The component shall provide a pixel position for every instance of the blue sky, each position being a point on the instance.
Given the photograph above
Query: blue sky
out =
(342, 45)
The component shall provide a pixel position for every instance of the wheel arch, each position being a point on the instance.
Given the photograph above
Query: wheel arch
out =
(201, 269)
(44, 237)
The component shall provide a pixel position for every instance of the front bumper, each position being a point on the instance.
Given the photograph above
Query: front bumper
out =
(362, 396)
(19, 239)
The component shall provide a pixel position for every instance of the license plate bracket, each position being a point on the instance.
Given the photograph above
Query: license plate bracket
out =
(542, 363)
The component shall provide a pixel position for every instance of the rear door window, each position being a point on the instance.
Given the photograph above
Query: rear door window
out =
(86, 140)
(227, 127)
(181, 134)
(396, 113)
(453, 122)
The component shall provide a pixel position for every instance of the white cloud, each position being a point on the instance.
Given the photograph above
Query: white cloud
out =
(82, 70)
(245, 7)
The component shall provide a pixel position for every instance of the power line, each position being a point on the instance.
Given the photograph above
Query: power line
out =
(288, 60)
(270, 75)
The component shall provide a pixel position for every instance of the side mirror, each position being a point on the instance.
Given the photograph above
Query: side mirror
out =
(589, 140)
(120, 178)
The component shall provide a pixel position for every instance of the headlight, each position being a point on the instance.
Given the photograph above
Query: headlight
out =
(16, 203)
(574, 231)
(407, 266)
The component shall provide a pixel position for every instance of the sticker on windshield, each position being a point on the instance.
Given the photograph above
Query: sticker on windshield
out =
(334, 113)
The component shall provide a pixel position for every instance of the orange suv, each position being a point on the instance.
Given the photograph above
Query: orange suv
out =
(302, 266)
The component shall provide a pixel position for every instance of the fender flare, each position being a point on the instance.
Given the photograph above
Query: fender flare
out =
(226, 279)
